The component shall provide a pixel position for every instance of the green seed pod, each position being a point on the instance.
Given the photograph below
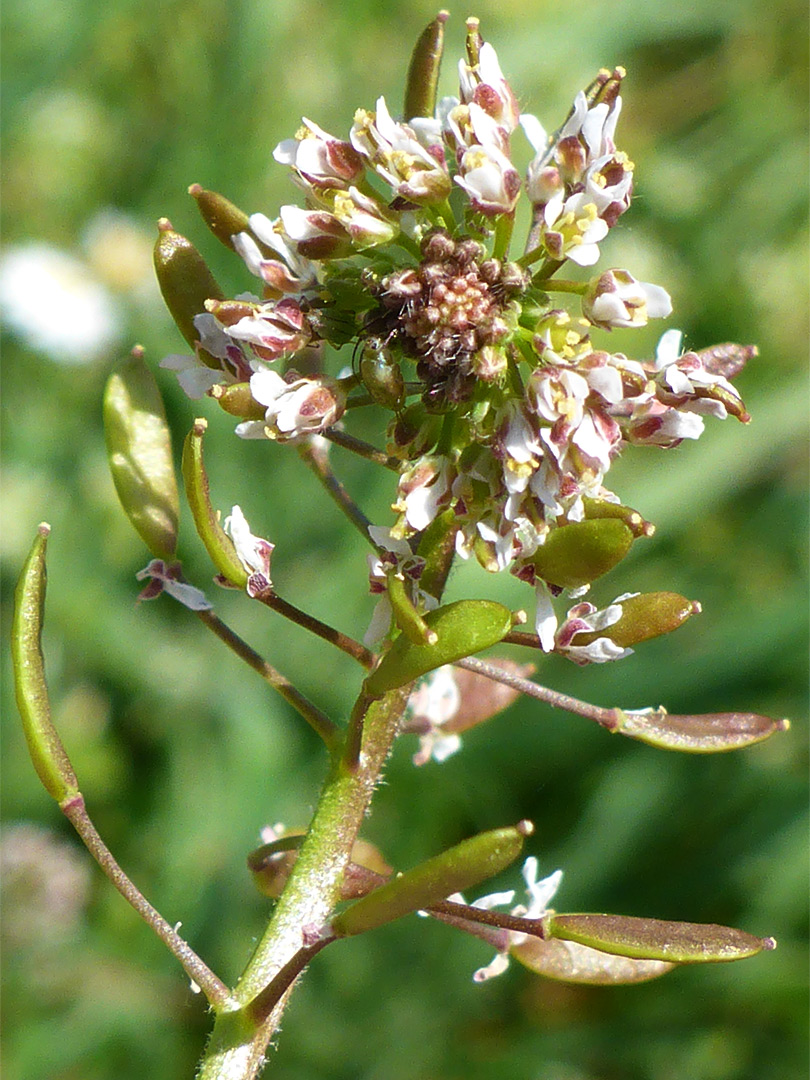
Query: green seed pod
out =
(140, 454)
(382, 376)
(407, 618)
(570, 962)
(656, 939)
(601, 508)
(217, 543)
(220, 215)
(462, 628)
(44, 745)
(186, 283)
(423, 72)
(645, 616)
(707, 733)
(461, 867)
(237, 400)
(577, 554)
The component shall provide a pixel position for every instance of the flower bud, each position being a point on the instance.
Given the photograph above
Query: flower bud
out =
(461, 628)
(458, 868)
(657, 939)
(140, 455)
(185, 282)
(575, 555)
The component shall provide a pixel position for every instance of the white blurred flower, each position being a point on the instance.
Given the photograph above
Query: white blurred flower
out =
(56, 305)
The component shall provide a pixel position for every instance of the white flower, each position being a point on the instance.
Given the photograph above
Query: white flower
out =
(253, 552)
(53, 302)
(434, 702)
(540, 894)
(586, 619)
(615, 298)
(299, 407)
(165, 578)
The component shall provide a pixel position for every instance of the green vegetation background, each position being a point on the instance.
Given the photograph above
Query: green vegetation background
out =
(183, 756)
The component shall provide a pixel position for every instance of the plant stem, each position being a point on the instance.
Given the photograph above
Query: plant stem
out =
(363, 449)
(341, 641)
(317, 459)
(317, 720)
(197, 970)
(238, 1043)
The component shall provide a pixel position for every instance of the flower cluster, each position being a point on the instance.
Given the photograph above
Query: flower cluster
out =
(505, 411)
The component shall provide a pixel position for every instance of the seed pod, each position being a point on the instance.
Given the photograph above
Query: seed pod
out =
(644, 616)
(140, 455)
(423, 72)
(217, 543)
(707, 733)
(185, 282)
(220, 215)
(48, 755)
(237, 400)
(601, 508)
(460, 867)
(461, 628)
(570, 962)
(657, 939)
(577, 554)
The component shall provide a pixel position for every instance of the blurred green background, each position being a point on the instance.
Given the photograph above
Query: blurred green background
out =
(111, 111)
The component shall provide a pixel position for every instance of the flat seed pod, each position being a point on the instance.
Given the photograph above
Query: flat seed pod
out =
(568, 961)
(461, 628)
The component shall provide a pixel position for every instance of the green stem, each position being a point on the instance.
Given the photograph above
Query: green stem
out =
(362, 449)
(317, 459)
(341, 641)
(238, 1042)
(318, 721)
(566, 286)
(504, 225)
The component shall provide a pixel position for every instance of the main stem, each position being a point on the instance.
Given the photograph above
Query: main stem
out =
(236, 1049)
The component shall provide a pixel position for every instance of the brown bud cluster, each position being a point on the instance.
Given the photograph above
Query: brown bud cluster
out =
(449, 314)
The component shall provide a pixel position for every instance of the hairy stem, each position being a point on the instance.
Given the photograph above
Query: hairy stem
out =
(238, 1042)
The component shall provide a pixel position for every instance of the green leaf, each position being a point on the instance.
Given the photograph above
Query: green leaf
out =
(44, 745)
(461, 628)
(140, 454)
(460, 867)
(656, 939)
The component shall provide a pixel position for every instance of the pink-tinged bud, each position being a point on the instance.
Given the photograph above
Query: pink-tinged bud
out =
(490, 363)
(616, 299)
